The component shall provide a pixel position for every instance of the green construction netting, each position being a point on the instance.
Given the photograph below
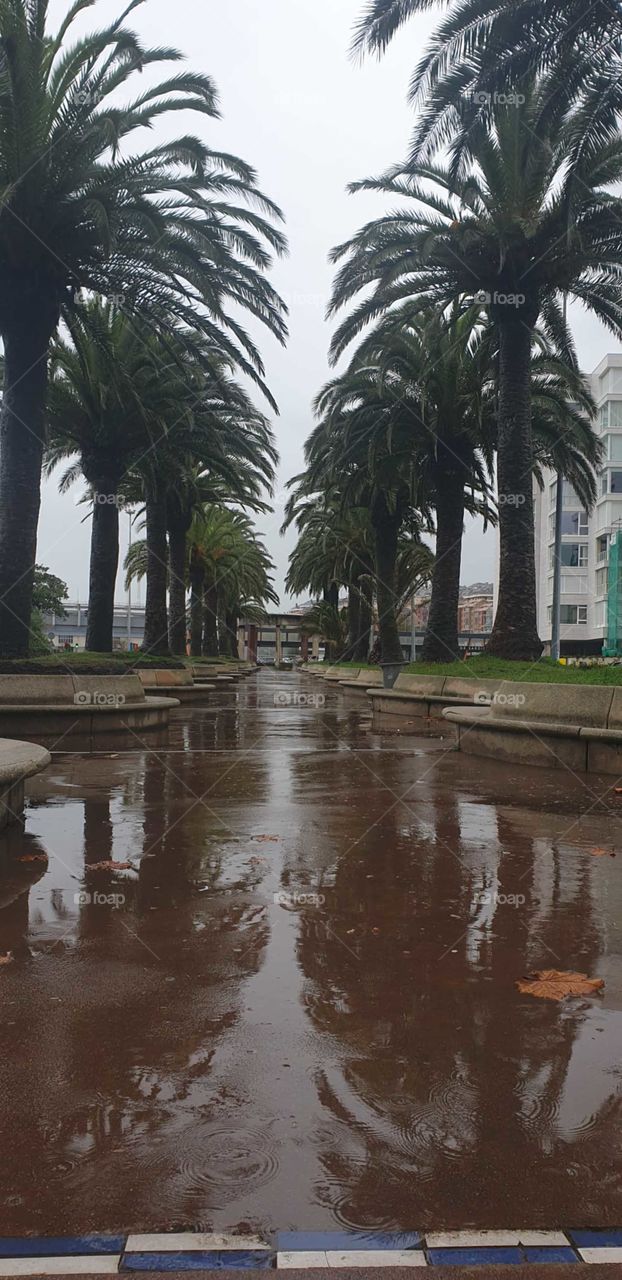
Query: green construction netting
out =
(613, 642)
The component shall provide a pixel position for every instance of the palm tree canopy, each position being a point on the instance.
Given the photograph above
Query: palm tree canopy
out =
(129, 401)
(511, 225)
(174, 231)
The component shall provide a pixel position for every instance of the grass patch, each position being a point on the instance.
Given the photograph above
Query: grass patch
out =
(545, 671)
(86, 664)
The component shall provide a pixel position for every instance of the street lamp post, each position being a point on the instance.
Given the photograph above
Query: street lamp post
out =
(557, 555)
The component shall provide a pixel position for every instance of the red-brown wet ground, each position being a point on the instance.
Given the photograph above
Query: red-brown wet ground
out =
(354, 1054)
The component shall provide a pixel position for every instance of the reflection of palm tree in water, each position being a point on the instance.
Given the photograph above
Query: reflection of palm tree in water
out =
(159, 991)
(16, 880)
(434, 1053)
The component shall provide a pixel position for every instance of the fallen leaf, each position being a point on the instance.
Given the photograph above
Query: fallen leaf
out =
(32, 857)
(109, 866)
(618, 791)
(7, 958)
(266, 838)
(602, 853)
(554, 984)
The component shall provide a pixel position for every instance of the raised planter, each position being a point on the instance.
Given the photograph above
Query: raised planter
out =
(43, 706)
(18, 761)
(366, 679)
(175, 684)
(577, 727)
(419, 701)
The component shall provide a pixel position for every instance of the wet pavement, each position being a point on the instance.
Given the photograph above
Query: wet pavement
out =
(297, 1008)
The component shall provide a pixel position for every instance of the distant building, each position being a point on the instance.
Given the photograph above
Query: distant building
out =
(475, 610)
(71, 629)
(586, 539)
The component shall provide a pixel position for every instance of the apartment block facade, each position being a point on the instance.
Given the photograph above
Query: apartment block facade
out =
(586, 539)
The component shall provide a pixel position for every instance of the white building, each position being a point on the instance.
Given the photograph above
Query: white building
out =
(585, 539)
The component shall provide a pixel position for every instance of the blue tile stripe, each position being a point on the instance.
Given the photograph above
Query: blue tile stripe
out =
(164, 1255)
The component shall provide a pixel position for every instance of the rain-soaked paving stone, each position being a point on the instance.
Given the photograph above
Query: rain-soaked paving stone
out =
(297, 1009)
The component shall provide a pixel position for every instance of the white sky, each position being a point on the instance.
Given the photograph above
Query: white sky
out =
(309, 120)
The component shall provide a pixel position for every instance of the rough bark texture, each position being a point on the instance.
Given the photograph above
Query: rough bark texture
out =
(386, 524)
(441, 638)
(354, 618)
(231, 623)
(210, 622)
(156, 620)
(197, 576)
(177, 586)
(27, 325)
(104, 562)
(515, 630)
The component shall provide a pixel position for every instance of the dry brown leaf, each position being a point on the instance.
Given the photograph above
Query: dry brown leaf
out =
(596, 852)
(7, 958)
(554, 984)
(109, 866)
(266, 838)
(618, 791)
(32, 857)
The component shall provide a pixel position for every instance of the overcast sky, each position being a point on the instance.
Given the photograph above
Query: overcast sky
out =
(310, 120)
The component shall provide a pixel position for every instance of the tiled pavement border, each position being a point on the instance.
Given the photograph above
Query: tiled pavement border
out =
(203, 1251)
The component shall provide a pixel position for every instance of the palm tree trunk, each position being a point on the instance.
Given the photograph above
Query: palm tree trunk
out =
(177, 586)
(231, 623)
(331, 597)
(386, 525)
(354, 616)
(210, 622)
(441, 638)
(197, 577)
(156, 620)
(26, 335)
(103, 564)
(515, 630)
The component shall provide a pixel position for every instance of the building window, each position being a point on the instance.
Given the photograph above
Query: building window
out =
(615, 413)
(601, 581)
(602, 547)
(571, 499)
(574, 522)
(568, 615)
(574, 555)
(582, 614)
(611, 482)
(614, 448)
(603, 415)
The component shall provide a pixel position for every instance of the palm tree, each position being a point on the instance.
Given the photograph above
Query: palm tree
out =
(448, 359)
(361, 448)
(514, 229)
(176, 231)
(452, 358)
(334, 549)
(488, 47)
(229, 572)
(128, 400)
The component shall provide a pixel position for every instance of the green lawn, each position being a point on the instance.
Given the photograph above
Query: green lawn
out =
(545, 671)
(97, 664)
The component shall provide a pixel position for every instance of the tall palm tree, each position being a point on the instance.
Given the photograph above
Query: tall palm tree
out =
(453, 359)
(487, 47)
(334, 549)
(512, 227)
(128, 400)
(362, 448)
(229, 574)
(177, 231)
